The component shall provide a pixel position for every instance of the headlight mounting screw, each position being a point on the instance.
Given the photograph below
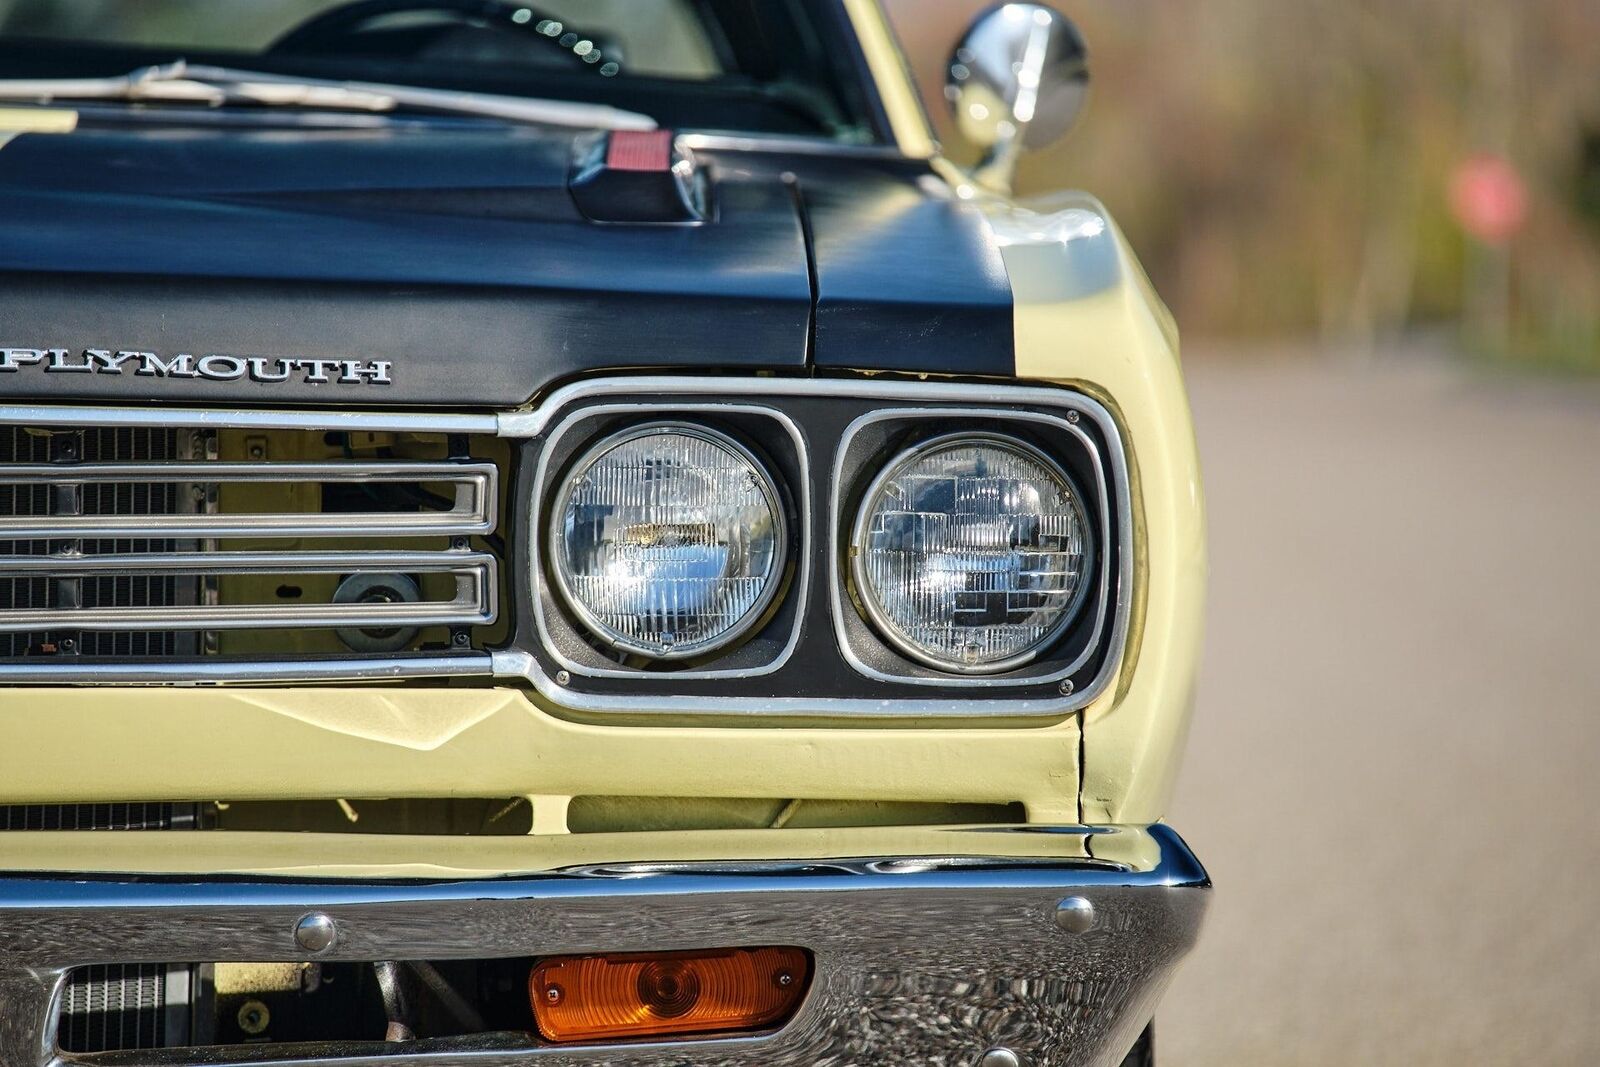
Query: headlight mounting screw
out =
(1066, 687)
(1073, 416)
(1075, 915)
(316, 932)
(563, 678)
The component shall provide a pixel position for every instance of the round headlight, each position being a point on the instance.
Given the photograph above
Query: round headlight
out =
(971, 553)
(668, 540)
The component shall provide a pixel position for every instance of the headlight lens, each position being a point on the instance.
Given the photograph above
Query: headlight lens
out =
(971, 553)
(669, 541)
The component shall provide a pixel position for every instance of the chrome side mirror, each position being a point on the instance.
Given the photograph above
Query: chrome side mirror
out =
(1018, 80)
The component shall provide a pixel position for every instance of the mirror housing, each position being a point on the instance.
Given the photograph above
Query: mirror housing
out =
(1018, 80)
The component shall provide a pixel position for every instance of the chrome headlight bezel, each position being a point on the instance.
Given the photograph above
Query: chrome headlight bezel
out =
(815, 654)
(868, 600)
(555, 541)
(1080, 436)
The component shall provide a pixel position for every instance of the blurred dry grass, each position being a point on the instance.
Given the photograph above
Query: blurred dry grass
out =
(1282, 168)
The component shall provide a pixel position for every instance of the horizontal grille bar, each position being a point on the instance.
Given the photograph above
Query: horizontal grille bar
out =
(474, 603)
(68, 670)
(472, 510)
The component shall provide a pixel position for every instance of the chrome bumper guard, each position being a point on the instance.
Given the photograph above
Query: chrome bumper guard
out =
(923, 960)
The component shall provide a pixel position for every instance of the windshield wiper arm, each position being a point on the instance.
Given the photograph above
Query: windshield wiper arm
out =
(183, 82)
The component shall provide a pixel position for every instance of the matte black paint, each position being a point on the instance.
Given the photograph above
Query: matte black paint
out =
(456, 252)
(908, 277)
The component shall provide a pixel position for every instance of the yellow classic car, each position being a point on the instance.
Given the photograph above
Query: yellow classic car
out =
(568, 533)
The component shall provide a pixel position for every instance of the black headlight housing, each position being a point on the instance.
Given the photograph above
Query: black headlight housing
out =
(815, 650)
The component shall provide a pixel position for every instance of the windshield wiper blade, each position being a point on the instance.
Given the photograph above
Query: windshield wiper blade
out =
(183, 82)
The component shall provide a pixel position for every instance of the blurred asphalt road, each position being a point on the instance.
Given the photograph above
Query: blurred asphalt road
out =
(1394, 771)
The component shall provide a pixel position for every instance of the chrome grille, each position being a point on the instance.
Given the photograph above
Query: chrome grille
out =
(138, 543)
(471, 512)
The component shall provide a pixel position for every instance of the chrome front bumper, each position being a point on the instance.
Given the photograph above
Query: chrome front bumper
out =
(927, 960)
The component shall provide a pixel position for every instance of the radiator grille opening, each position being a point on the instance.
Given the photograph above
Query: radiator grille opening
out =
(645, 814)
(131, 444)
(34, 446)
(133, 816)
(138, 545)
(423, 816)
(122, 1007)
(505, 816)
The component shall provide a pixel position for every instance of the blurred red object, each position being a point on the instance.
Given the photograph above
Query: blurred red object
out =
(1489, 198)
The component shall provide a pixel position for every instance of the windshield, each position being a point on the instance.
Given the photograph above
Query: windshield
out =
(770, 66)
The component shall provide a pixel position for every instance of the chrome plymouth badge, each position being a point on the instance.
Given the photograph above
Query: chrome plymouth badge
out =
(213, 368)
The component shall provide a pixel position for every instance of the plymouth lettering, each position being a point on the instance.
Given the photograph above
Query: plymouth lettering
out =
(212, 367)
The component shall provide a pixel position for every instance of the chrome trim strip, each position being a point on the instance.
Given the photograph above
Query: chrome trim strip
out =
(796, 145)
(473, 510)
(474, 603)
(1017, 400)
(802, 585)
(244, 419)
(917, 960)
(62, 671)
(533, 421)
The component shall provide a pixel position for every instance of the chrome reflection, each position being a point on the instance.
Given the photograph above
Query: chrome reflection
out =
(921, 967)
(1017, 81)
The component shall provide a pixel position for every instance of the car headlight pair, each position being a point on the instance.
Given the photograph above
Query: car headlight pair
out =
(969, 553)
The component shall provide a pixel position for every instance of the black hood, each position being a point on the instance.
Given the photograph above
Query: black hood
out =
(458, 257)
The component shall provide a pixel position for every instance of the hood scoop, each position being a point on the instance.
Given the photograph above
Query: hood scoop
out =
(638, 176)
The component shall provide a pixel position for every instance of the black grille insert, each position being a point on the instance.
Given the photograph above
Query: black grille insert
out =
(132, 816)
(115, 1007)
(26, 445)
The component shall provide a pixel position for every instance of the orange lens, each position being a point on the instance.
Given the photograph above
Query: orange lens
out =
(604, 998)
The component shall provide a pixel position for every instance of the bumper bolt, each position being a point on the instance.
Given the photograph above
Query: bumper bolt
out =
(1000, 1057)
(1075, 915)
(254, 1018)
(315, 933)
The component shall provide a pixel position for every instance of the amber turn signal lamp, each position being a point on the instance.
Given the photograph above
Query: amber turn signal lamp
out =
(660, 994)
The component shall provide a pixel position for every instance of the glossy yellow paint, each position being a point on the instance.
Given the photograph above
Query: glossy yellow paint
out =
(908, 122)
(1086, 316)
(376, 857)
(20, 120)
(421, 741)
(15, 120)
